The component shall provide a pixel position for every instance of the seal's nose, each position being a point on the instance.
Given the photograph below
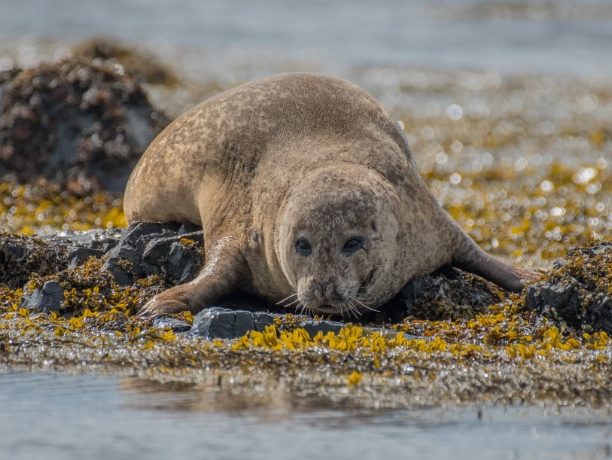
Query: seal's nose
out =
(322, 285)
(328, 291)
(337, 296)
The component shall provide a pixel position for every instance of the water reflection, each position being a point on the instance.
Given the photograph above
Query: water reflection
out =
(58, 416)
(269, 399)
(214, 396)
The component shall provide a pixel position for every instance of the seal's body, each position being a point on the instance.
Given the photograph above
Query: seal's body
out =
(306, 191)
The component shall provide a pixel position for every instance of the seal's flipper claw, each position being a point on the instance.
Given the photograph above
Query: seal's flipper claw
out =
(528, 276)
(161, 304)
(221, 273)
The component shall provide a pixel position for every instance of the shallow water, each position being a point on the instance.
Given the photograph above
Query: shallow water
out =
(516, 36)
(88, 416)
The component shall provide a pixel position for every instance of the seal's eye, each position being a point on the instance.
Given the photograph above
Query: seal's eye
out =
(352, 244)
(302, 247)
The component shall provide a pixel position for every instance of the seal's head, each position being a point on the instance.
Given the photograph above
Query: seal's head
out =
(339, 241)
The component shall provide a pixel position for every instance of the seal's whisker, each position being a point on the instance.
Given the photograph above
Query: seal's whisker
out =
(344, 308)
(286, 298)
(302, 309)
(354, 309)
(292, 303)
(367, 299)
(365, 306)
(350, 309)
(306, 310)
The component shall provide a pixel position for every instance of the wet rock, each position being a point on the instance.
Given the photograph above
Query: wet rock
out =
(174, 324)
(186, 229)
(182, 263)
(78, 256)
(445, 294)
(162, 249)
(97, 239)
(577, 290)
(47, 298)
(224, 323)
(21, 257)
(156, 251)
(213, 323)
(82, 124)
(313, 327)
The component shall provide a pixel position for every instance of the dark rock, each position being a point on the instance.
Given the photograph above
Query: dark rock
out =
(213, 323)
(47, 298)
(97, 239)
(175, 324)
(148, 248)
(182, 263)
(84, 125)
(156, 251)
(261, 320)
(21, 256)
(445, 294)
(121, 270)
(577, 289)
(223, 323)
(187, 229)
(78, 256)
(139, 234)
(314, 327)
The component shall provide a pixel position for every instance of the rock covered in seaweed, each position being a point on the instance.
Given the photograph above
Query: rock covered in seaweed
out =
(579, 289)
(138, 64)
(170, 250)
(149, 257)
(445, 294)
(21, 257)
(80, 123)
(46, 298)
(225, 323)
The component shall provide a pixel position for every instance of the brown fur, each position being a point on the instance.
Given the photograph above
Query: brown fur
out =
(298, 154)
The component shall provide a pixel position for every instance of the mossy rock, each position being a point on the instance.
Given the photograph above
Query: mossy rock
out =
(578, 290)
(140, 65)
(82, 124)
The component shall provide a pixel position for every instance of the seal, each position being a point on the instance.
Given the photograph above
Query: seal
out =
(308, 196)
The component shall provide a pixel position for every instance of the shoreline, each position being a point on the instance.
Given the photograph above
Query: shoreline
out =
(521, 163)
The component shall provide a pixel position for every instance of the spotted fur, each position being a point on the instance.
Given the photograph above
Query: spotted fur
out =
(296, 155)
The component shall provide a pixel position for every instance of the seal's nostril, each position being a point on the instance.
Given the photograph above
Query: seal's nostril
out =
(337, 296)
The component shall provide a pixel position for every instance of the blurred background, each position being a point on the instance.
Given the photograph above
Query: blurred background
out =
(516, 36)
(507, 104)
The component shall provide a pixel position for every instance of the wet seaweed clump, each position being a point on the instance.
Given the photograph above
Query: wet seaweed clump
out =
(443, 295)
(21, 256)
(89, 293)
(82, 124)
(578, 290)
(138, 64)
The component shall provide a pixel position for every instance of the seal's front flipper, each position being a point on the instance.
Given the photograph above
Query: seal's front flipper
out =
(471, 258)
(222, 272)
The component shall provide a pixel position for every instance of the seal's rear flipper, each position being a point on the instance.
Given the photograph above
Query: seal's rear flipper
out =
(471, 258)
